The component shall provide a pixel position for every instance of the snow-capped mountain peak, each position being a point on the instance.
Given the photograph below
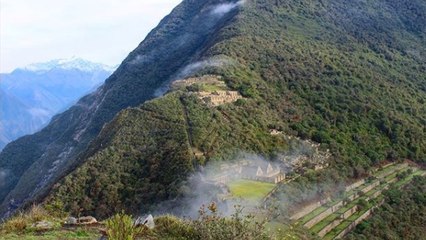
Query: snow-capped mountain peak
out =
(68, 64)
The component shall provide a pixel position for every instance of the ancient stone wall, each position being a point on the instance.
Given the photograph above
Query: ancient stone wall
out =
(382, 175)
(350, 212)
(337, 221)
(324, 214)
(217, 98)
(354, 224)
(370, 187)
(354, 185)
(309, 208)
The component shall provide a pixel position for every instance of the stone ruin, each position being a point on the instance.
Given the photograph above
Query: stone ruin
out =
(263, 172)
(206, 79)
(218, 98)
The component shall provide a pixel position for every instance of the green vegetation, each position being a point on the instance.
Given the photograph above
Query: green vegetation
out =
(395, 176)
(347, 75)
(121, 227)
(23, 226)
(22, 222)
(373, 203)
(209, 225)
(55, 235)
(333, 80)
(250, 190)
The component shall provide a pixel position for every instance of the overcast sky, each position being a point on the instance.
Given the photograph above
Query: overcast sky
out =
(103, 31)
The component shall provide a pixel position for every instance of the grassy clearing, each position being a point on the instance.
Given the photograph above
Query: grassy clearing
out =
(251, 190)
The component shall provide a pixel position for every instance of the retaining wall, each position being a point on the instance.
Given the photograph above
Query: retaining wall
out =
(354, 185)
(382, 175)
(323, 215)
(355, 223)
(309, 208)
(337, 221)
(370, 187)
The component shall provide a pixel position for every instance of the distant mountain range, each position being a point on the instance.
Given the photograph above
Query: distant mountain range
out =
(30, 96)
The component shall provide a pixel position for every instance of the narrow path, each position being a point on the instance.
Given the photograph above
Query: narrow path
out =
(188, 128)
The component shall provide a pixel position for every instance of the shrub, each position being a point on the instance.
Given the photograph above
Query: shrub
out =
(37, 213)
(121, 227)
(23, 220)
(16, 224)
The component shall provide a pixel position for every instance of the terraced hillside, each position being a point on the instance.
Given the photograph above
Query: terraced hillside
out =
(340, 215)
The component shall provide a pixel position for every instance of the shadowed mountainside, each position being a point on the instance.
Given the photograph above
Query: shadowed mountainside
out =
(35, 162)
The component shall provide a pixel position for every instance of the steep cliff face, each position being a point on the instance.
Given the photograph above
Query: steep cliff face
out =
(328, 70)
(33, 163)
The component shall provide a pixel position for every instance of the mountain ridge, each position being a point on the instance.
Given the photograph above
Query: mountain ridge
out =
(68, 64)
(301, 67)
(32, 97)
(92, 111)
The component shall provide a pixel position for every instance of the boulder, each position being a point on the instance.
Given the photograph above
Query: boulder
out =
(43, 226)
(146, 221)
(86, 220)
(71, 221)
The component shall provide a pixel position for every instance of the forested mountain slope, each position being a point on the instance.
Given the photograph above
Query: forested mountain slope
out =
(348, 74)
(303, 67)
(34, 163)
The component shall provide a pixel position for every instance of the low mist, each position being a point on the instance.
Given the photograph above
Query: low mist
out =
(200, 65)
(224, 8)
(211, 182)
(203, 188)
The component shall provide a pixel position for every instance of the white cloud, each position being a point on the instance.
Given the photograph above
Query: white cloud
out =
(224, 8)
(197, 66)
(103, 31)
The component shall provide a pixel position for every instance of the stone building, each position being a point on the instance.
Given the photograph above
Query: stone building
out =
(263, 173)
